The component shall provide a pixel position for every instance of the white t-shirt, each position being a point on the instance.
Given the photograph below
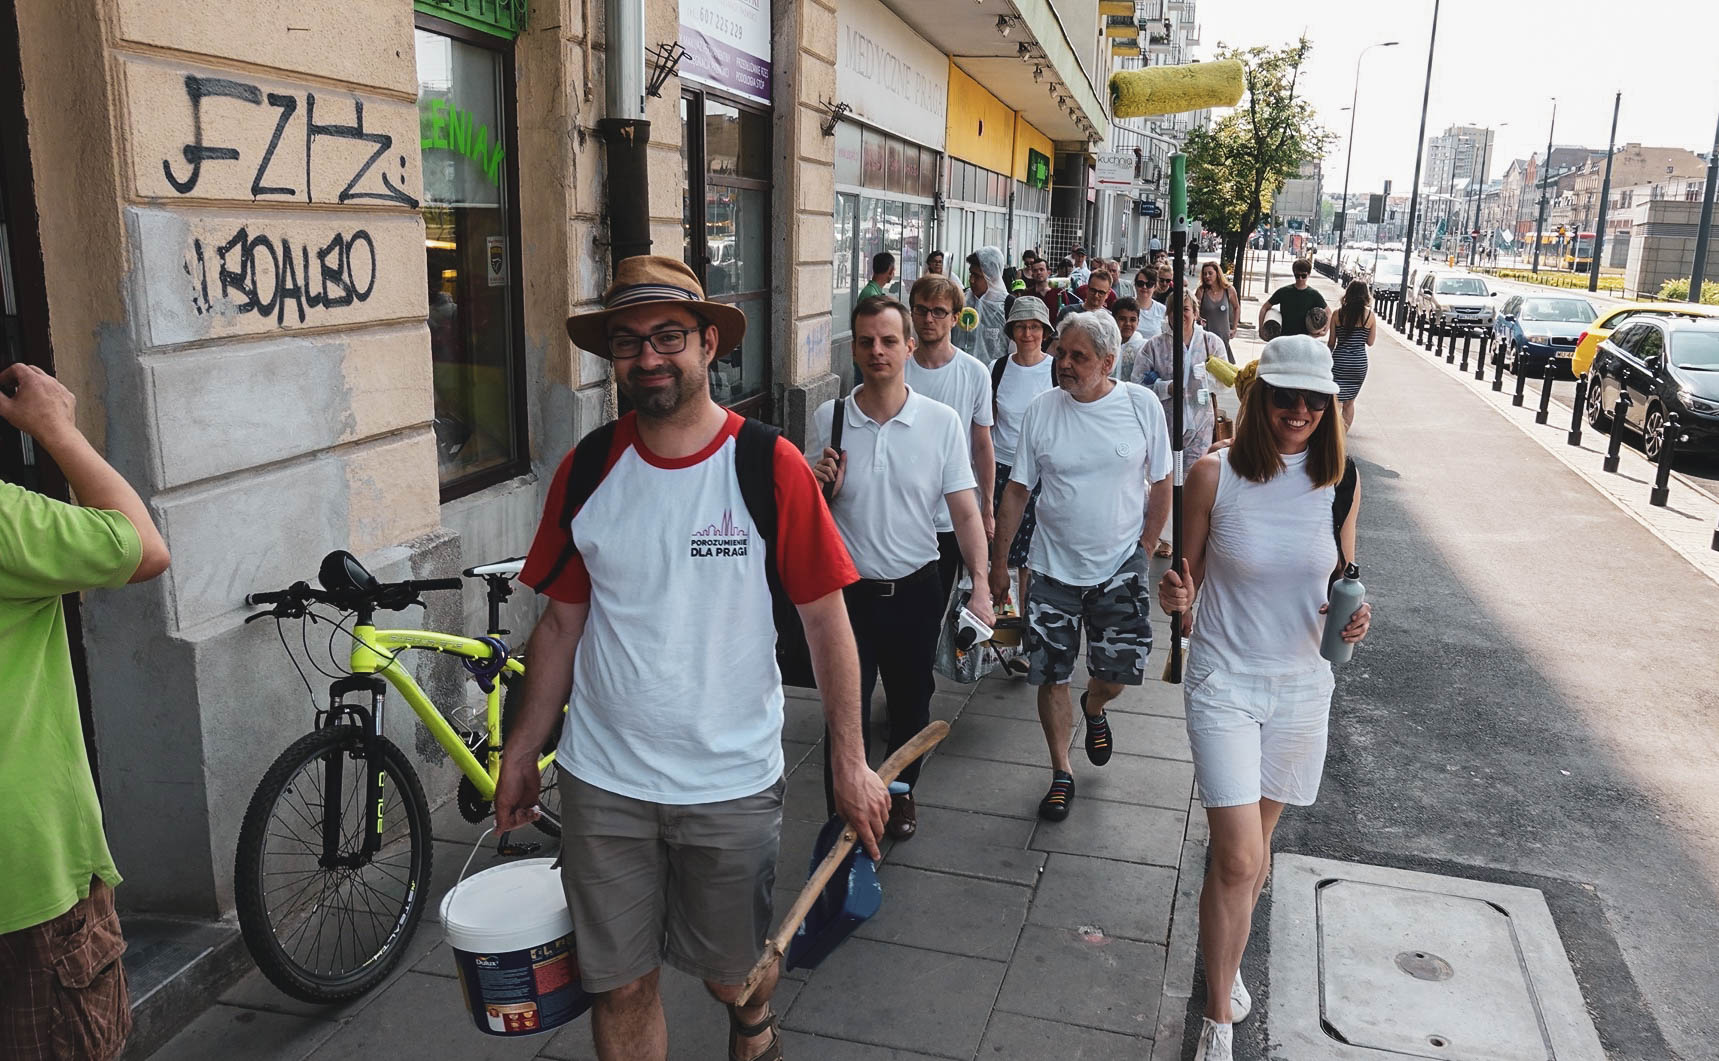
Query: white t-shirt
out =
(1019, 387)
(897, 475)
(1131, 347)
(1092, 461)
(963, 383)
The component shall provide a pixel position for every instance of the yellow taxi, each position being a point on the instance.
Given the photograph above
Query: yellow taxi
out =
(1613, 318)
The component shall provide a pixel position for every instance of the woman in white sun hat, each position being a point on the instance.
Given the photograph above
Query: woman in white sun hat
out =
(1265, 522)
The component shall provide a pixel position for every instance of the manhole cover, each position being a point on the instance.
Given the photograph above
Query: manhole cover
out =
(1375, 963)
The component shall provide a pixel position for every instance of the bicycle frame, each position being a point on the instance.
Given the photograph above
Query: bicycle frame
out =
(376, 652)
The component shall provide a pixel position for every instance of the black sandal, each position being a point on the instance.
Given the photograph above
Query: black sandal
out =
(1097, 735)
(1054, 807)
(739, 1029)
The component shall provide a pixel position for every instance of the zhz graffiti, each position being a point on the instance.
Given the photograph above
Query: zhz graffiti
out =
(258, 274)
(196, 153)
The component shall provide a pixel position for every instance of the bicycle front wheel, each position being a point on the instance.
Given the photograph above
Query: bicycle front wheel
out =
(324, 921)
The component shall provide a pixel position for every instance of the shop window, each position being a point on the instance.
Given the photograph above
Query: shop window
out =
(874, 160)
(471, 250)
(726, 219)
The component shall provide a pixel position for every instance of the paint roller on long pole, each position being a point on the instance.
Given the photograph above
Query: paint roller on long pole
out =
(1178, 259)
(1157, 90)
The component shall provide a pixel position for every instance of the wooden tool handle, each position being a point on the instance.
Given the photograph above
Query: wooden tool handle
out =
(777, 946)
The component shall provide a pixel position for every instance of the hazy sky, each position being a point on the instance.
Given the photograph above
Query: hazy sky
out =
(1496, 61)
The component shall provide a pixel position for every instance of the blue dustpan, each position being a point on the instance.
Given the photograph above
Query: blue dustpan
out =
(851, 897)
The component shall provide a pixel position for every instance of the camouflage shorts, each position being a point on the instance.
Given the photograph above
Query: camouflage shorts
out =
(1116, 616)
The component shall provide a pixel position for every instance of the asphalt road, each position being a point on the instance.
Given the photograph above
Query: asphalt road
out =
(1536, 705)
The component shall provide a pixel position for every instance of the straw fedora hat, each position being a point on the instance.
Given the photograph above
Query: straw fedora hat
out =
(647, 280)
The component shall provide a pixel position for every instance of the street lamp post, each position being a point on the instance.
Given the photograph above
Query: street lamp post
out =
(1420, 151)
(1545, 178)
(1698, 269)
(1354, 101)
(1605, 200)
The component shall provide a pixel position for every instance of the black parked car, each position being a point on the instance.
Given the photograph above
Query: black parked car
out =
(1667, 365)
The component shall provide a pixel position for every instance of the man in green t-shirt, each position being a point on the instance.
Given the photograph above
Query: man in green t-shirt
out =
(1296, 299)
(882, 275)
(62, 987)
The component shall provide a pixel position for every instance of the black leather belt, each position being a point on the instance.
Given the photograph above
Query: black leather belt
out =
(886, 587)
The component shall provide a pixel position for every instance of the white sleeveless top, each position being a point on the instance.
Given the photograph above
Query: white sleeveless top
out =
(1268, 556)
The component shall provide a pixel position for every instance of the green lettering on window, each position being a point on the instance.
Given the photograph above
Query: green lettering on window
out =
(443, 126)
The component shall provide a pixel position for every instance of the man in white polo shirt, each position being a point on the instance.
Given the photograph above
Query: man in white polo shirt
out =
(901, 457)
(1091, 446)
(962, 382)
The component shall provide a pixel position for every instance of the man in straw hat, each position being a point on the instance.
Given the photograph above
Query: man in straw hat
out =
(658, 625)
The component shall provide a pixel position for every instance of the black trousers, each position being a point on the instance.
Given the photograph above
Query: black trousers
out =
(896, 625)
(949, 562)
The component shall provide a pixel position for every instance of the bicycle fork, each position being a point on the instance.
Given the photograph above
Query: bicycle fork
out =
(334, 771)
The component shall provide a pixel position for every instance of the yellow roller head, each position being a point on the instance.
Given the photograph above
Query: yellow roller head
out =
(1175, 89)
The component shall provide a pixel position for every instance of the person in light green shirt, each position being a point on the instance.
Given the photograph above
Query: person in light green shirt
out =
(882, 275)
(62, 987)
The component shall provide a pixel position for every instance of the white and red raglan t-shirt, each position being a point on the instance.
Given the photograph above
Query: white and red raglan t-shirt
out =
(676, 694)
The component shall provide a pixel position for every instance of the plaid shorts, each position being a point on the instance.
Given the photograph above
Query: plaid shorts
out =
(62, 985)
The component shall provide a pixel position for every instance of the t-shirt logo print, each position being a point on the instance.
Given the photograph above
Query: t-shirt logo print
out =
(726, 538)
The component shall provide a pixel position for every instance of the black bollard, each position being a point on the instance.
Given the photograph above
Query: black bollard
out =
(1467, 340)
(1498, 371)
(1415, 327)
(1480, 361)
(1575, 436)
(1545, 410)
(1426, 331)
(1521, 383)
(1619, 412)
(1667, 456)
(1447, 344)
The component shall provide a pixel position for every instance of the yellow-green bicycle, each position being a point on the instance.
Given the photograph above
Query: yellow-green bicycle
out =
(333, 865)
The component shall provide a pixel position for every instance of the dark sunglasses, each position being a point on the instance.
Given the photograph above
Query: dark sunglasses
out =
(1287, 399)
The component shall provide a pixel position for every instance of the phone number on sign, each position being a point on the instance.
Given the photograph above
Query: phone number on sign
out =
(721, 25)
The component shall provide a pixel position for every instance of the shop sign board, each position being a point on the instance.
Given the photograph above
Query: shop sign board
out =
(890, 75)
(728, 45)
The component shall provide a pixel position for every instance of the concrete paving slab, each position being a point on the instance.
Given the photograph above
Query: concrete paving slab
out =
(804, 799)
(1120, 831)
(985, 846)
(1368, 962)
(1004, 698)
(1013, 1037)
(798, 1045)
(421, 1016)
(1012, 790)
(957, 915)
(224, 1032)
(1004, 740)
(802, 721)
(1140, 779)
(1089, 979)
(254, 991)
(795, 753)
(1138, 734)
(901, 997)
(1152, 697)
(1123, 899)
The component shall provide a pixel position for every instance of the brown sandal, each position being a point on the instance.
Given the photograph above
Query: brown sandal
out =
(739, 1029)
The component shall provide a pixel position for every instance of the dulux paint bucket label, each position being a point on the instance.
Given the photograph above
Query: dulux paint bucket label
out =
(512, 939)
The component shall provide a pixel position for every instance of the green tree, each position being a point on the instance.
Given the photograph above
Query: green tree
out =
(1237, 165)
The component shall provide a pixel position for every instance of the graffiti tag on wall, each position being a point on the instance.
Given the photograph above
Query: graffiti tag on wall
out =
(262, 274)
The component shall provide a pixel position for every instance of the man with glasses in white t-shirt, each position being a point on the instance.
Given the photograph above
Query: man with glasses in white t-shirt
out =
(658, 634)
(961, 381)
(1091, 446)
(901, 457)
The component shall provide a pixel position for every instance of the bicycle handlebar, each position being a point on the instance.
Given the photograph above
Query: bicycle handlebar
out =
(392, 596)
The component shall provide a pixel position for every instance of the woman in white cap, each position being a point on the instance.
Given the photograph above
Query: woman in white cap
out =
(1015, 381)
(1264, 522)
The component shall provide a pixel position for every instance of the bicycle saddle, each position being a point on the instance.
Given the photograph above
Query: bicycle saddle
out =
(341, 574)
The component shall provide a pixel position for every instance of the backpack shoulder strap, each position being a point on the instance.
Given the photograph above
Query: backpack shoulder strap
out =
(998, 367)
(838, 419)
(1341, 504)
(755, 466)
(590, 463)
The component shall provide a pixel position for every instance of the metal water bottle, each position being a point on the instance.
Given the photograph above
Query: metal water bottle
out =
(1347, 593)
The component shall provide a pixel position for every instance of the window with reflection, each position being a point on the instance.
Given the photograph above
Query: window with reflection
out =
(726, 216)
(465, 115)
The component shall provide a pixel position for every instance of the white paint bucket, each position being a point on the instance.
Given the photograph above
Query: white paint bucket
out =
(512, 939)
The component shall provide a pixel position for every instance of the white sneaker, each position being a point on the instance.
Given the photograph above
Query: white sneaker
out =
(1217, 1042)
(1241, 1003)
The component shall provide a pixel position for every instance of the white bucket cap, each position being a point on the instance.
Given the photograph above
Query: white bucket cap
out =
(512, 907)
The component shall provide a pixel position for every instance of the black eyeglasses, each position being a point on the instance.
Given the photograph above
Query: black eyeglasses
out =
(1163, 280)
(1286, 399)
(668, 341)
(936, 313)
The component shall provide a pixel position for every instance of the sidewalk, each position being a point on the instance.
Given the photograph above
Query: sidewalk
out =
(1001, 936)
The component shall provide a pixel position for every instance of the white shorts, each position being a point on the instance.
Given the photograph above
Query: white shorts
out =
(1255, 736)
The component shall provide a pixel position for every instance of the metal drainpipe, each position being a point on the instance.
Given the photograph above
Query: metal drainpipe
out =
(626, 133)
